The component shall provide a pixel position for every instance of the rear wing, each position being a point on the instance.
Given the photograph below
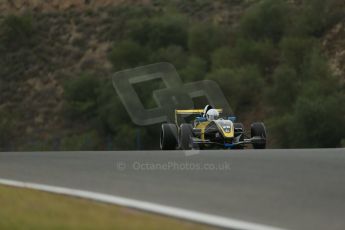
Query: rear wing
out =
(190, 112)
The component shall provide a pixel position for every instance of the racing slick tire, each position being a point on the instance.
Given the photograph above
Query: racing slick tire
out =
(168, 139)
(185, 136)
(239, 126)
(258, 129)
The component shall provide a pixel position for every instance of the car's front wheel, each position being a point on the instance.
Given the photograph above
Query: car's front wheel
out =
(185, 136)
(258, 130)
(168, 139)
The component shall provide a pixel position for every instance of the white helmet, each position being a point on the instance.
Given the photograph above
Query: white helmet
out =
(212, 114)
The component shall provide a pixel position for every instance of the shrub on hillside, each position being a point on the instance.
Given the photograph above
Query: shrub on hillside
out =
(318, 77)
(195, 69)
(127, 54)
(284, 90)
(173, 54)
(158, 32)
(317, 16)
(322, 119)
(168, 30)
(305, 104)
(89, 140)
(223, 57)
(246, 52)
(265, 20)
(314, 123)
(6, 129)
(296, 51)
(125, 137)
(81, 97)
(203, 39)
(110, 110)
(280, 130)
(17, 32)
(242, 87)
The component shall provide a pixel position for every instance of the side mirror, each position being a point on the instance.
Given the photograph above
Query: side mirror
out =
(201, 119)
(232, 118)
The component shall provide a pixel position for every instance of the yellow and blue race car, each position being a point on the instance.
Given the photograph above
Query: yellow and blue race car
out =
(203, 128)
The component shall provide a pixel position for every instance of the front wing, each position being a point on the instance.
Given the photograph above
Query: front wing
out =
(254, 140)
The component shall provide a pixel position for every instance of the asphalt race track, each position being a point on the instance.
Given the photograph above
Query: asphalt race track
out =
(292, 189)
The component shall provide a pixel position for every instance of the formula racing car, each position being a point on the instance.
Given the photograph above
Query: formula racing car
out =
(203, 128)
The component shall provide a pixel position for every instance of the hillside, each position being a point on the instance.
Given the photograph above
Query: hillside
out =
(334, 47)
(17, 6)
(47, 46)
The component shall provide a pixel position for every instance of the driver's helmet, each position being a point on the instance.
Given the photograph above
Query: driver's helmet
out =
(207, 108)
(212, 114)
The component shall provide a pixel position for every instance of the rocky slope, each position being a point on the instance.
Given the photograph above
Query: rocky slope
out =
(334, 45)
(72, 37)
(10, 6)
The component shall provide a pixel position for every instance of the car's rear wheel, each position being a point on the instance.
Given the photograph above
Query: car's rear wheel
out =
(239, 131)
(168, 139)
(185, 136)
(258, 129)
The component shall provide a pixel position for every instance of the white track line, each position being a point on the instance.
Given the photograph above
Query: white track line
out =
(204, 218)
